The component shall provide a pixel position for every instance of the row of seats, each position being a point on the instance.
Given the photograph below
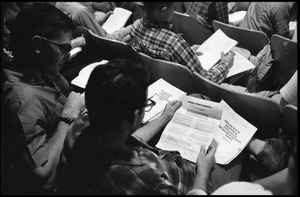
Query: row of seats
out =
(262, 112)
(284, 50)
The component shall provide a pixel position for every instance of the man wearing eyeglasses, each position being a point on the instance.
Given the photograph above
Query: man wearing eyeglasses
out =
(37, 97)
(112, 155)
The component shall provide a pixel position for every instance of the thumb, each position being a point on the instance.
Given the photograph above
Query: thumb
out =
(198, 53)
(202, 150)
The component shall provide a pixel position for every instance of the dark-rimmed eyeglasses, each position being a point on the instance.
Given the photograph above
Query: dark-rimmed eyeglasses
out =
(65, 48)
(149, 105)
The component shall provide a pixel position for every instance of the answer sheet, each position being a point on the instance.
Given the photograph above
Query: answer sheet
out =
(194, 124)
(232, 136)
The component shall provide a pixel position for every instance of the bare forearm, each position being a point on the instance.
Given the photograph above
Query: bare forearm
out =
(201, 181)
(279, 183)
(47, 173)
(148, 131)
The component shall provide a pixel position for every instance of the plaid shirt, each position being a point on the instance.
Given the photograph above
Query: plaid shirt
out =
(151, 172)
(158, 41)
(209, 11)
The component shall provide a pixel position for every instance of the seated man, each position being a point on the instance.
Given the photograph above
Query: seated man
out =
(108, 159)
(206, 12)
(152, 35)
(269, 17)
(112, 156)
(288, 94)
(83, 16)
(37, 97)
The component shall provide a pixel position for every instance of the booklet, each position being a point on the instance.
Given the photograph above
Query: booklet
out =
(193, 124)
(83, 76)
(161, 92)
(117, 20)
(200, 122)
(211, 48)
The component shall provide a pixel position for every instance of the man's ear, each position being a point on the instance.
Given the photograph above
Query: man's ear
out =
(36, 43)
(163, 10)
(137, 117)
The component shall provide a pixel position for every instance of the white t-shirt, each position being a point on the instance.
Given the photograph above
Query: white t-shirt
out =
(289, 90)
(241, 188)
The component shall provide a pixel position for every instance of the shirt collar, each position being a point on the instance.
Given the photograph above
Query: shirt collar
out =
(135, 161)
(14, 77)
(155, 24)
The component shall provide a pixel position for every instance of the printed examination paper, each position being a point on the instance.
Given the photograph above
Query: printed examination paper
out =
(194, 124)
(200, 122)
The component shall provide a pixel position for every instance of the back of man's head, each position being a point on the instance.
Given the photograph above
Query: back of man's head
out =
(114, 91)
(38, 19)
(151, 6)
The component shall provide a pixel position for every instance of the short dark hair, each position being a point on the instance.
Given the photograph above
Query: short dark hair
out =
(37, 19)
(115, 90)
(151, 6)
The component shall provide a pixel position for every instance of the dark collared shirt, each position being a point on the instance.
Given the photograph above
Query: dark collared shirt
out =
(37, 105)
(158, 41)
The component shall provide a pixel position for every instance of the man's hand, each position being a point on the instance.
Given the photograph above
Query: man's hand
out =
(194, 48)
(74, 105)
(170, 109)
(205, 162)
(78, 42)
(228, 58)
(232, 7)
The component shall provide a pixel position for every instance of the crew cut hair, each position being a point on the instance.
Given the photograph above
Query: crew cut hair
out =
(115, 90)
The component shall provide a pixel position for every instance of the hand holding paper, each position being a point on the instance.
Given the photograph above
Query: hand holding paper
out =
(228, 58)
(212, 48)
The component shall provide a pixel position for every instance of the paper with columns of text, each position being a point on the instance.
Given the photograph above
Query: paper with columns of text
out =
(194, 124)
(232, 136)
